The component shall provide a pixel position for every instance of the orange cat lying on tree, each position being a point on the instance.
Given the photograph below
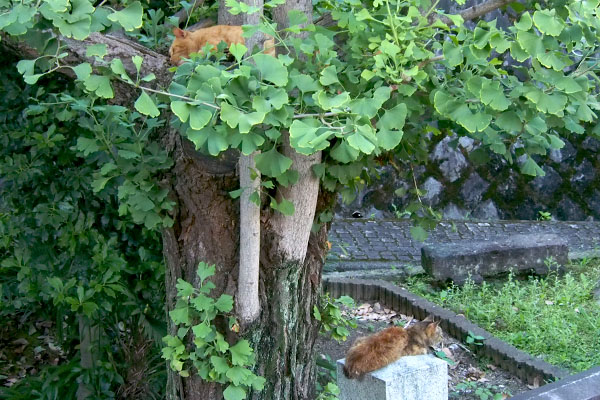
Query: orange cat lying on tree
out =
(187, 42)
(370, 353)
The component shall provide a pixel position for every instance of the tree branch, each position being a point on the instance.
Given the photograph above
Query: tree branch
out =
(116, 46)
(467, 15)
(480, 10)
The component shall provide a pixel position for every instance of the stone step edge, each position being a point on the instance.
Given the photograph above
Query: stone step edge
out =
(527, 367)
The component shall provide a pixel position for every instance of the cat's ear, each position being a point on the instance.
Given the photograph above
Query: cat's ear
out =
(429, 318)
(178, 32)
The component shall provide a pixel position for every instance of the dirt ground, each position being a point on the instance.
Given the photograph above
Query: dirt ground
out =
(470, 377)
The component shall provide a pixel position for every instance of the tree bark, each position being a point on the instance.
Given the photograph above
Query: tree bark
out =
(206, 229)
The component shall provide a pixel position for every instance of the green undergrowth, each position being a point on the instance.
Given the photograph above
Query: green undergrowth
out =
(554, 317)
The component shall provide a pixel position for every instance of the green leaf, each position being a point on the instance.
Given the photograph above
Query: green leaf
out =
(184, 289)
(100, 85)
(32, 79)
(452, 54)
(201, 330)
(328, 103)
(145, 105)
(316, 313)
(137, 61)
(368, 107)
(129, 18)
(344, 153)
(553, 59)
(517, 52)
(329, 76)
(276, 97)
(271, 69)
(286, 207)
(234, 393)
(202, 303)
(96, 50)
(199, 117)
(304, 83)
(240, 352)
(547, 22)
(220, 364)
(180, 315)
(26, 67)
(531, 43)
(205, 271)
(224, 303)
(547, 103)
(238, 375)
(530, 167)
(238, 50)
(83, 71)
(181, 109)
(87, 146)
(272, 163)
(363, 139)
(493, 95)
(509, 122)
(393, 118)
(418, 233)
(525, 22)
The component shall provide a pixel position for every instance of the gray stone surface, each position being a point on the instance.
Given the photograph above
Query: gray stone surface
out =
(409, 378)
(452, 211)
(569, 210)
(566, 153)
(479, 259)
(364, 245)
(486, 210)
(452, 160)
(433, 189)
(584, 175)
(582, 386)
(545, 186)
(473, 189)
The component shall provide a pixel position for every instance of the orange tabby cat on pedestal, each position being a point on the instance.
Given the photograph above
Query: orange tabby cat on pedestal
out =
(373, 352)
(187, 42)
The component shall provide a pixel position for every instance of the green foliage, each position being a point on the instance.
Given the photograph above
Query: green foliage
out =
(64, 250)
(544, 216)
(326, 376)
(208, 351)
(554, 317)
(479, 390)
(474, 340)
(333, 321)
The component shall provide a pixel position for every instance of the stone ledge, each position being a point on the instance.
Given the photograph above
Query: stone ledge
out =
(504, 355)
(477, 259)
(582, 386)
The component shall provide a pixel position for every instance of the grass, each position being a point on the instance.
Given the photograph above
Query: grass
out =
(553, 317)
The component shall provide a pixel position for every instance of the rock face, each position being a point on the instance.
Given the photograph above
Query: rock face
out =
(477, 259)
(495, 189)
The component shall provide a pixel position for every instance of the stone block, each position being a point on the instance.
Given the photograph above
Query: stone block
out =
(479, 259)
(409, 378)
(582, 386)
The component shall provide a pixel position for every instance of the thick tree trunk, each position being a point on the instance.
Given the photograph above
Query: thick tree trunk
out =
(207, 230)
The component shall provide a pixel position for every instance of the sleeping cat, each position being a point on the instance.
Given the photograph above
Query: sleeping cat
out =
(187, 42)
(382, 348)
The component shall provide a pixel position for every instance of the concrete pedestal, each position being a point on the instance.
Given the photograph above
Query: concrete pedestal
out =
(410, 378)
